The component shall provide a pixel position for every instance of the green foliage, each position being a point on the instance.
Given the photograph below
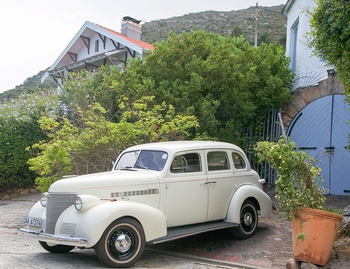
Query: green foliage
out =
(224, 82)
(84, 88)
(95, 142)
(159, 122)
(196, 85)
(18, 130)
(330, 35)
(299, 183)
(237, 32)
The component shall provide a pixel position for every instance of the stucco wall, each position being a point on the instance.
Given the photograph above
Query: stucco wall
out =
(309, 69)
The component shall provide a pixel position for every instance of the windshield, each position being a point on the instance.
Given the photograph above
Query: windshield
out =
(144, 159)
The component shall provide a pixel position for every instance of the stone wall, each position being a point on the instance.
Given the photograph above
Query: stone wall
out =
(11, 193)
(304, 96)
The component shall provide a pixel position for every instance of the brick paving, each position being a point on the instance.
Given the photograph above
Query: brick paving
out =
(270, 247)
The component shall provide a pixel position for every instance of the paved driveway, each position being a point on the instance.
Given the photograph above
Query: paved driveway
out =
(271, 247)
(22, 252)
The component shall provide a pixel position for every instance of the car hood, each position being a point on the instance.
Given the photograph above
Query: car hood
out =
(106, 183)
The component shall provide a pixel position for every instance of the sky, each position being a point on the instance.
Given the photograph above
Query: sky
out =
(35, 32)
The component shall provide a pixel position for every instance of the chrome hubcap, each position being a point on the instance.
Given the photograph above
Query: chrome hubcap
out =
(123, 243)
(248, 219)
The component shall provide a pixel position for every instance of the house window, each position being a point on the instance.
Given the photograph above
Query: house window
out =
(97, 44)
(294, 45)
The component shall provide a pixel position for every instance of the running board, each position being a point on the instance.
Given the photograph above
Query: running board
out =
(188, 230)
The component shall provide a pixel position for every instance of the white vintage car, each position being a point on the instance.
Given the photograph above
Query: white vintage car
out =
(155, 193)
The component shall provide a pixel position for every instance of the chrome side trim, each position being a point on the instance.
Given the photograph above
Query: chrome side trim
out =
(55, 239)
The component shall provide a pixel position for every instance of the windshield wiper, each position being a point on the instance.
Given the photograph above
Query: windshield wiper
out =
(128, 168)
(141, 167)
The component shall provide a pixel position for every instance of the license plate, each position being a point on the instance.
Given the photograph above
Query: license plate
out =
(31, 221)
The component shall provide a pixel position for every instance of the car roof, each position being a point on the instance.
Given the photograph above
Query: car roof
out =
(174, 146)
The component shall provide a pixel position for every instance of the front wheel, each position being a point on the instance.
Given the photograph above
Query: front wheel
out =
(121, 244)
(56, 248)
(248, 221)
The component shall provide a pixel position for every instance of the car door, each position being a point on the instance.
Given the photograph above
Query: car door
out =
(186, 191)
(220, 183)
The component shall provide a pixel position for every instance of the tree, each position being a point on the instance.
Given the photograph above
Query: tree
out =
(95, 142)
(85, 88)
(330, 35)
(226, 83)
(19, 129)
(237, 32)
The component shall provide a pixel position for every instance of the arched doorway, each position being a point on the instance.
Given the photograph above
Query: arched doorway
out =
(322, 130)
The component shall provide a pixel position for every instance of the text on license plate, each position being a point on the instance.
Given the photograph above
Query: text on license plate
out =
(31, 221)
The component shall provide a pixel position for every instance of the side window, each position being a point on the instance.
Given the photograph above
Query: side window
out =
(186, 163)
(238, 161)
(217, 160)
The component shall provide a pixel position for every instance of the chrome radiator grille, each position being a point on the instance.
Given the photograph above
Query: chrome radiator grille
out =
(56, 204)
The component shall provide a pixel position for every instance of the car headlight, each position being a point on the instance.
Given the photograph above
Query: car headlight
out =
(84, 202)
(43, 200)
(78, 204)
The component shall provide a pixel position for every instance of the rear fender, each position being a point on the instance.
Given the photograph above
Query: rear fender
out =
(248, 192)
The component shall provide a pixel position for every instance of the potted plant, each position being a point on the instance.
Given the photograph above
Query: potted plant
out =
(300, 197)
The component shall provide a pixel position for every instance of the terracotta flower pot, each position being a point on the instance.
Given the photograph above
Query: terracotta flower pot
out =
(320, 229)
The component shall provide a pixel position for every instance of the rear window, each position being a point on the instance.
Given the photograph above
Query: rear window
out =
(238, 161)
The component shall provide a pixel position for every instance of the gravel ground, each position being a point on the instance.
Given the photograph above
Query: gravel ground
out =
(12, 211)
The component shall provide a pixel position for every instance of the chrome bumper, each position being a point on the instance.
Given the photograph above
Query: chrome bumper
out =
(55, 239)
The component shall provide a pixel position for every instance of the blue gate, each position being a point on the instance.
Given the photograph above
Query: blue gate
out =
(322, 130)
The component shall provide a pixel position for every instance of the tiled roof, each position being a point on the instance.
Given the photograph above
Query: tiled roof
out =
(139, 43)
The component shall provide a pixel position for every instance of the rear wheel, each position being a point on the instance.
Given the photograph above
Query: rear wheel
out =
(121, 244)
(248, 221)
(56, 248)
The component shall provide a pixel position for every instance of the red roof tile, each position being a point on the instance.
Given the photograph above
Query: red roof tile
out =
(139, 43)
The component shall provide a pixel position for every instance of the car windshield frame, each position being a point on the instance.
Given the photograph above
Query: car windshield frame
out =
(142, 159)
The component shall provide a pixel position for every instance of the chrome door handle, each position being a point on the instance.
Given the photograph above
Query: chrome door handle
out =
(208, 182)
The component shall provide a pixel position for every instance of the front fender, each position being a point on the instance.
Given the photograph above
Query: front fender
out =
(39, 212)
(248, 192)
(91, 224)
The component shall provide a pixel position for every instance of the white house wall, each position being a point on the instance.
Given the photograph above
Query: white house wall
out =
(84, 54)
(308, 69)
(91, 30)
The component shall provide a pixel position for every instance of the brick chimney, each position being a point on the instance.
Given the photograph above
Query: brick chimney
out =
(131, 28)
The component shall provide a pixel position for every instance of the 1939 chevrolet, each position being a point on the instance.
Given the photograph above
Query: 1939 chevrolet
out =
(156, 192)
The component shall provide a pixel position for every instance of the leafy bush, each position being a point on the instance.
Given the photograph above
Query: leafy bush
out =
(90, 145)
(18, 130)
(299, 183)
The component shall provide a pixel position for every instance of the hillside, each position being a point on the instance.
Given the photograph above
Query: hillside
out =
(271, 28)
(271, 24)
(30, 85)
